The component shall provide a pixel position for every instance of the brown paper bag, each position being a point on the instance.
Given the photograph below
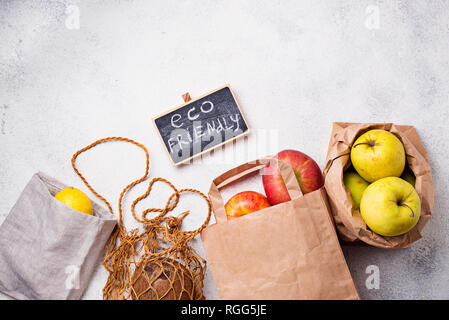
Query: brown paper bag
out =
(348, 220)
(287, 251)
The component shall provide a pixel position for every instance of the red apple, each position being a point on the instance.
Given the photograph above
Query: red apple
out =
(306, 170)
(245, 202)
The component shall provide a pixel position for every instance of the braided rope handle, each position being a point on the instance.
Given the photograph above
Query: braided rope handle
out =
(147, 168)
(144, 220)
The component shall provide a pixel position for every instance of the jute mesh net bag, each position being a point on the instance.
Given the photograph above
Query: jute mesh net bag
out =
(154, 262)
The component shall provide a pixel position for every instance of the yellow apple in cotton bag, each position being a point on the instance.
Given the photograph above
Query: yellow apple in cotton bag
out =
(75, 199)
(378, 154)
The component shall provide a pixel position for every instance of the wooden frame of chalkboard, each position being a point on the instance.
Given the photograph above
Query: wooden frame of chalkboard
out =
(227, 104)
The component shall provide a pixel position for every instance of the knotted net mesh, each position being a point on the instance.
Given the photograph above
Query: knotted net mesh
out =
(155, 261)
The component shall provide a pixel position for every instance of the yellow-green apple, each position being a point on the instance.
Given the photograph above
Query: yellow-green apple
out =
(390, 206)
(408, 176)
(244, 203)
(378, 154)
(356, 184)
(306, 170)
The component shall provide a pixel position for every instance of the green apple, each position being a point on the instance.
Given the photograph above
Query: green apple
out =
(378, 154)
(408, 176)
(390, 206)
(356, 185)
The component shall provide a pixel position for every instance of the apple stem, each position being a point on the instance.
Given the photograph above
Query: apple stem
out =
(403, 204)
(367, 143)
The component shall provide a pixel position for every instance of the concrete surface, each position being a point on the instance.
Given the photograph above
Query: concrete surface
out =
(75, 71)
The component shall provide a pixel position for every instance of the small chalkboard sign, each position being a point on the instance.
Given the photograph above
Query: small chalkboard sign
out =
(201, 125)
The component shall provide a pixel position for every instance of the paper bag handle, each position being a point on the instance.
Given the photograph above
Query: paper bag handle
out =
(216, 200)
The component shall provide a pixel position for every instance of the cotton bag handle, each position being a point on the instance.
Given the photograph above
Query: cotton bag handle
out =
(232, 175)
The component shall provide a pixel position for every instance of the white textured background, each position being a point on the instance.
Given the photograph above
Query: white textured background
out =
(295, 66)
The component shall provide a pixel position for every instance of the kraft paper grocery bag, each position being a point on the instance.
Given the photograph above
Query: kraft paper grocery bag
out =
(48, 250)
(348, 220)
(286, 251)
